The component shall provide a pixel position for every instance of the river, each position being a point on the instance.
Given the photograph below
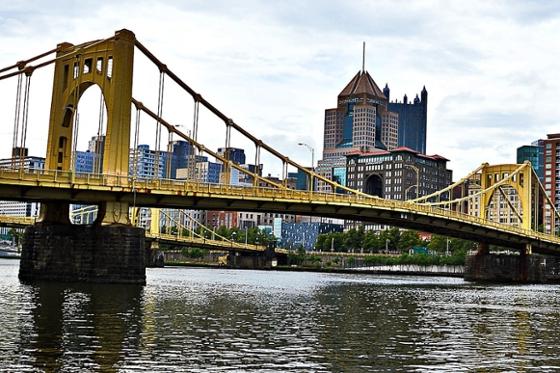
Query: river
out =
(200, 320)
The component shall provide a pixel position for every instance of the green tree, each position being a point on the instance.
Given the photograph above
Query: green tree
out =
(351, 240)
(320, 242)
(407, 240)
(437, 244)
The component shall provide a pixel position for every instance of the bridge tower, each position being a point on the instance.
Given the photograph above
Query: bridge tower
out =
(109, 65)
(110, 250)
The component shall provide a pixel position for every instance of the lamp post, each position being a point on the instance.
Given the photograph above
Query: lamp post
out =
(310, 148)
(387, 245)
(417, 170)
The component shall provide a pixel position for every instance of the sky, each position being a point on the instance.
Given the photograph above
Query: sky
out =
(490, 68)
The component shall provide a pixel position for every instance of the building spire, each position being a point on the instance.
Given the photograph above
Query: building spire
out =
(364, 57)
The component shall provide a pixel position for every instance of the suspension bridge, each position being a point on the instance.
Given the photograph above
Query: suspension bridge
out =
(472, 208)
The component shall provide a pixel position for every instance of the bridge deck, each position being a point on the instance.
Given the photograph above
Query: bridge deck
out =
(91, 189)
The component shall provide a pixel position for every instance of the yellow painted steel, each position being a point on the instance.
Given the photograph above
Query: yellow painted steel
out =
(523, 184)
(161, 188)
(109, 65)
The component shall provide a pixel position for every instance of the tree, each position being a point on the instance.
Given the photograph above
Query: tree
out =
(407, 240)
(438, 243)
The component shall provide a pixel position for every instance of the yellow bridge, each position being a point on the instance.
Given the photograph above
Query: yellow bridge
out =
(115, 186)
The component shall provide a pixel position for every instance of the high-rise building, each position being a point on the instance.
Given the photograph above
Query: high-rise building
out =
(533, 153)
(236, 155)
(148, 164)
(364, 121)
(552, 167)
(413, 119)
(97, 146)
(182, 151)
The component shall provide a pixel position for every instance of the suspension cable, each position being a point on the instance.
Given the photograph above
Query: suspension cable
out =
(24, 119)
(158, 123)
(15, 138)
(241, 130)
(135, 156)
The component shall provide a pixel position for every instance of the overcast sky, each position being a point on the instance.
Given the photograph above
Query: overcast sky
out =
(490, 67)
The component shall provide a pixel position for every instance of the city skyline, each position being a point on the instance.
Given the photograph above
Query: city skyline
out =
(490, 75)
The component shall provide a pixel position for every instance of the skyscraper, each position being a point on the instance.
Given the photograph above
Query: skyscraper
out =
(413, 118)
(364, 121)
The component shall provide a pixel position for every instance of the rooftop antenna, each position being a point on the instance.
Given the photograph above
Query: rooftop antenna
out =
(364, 57)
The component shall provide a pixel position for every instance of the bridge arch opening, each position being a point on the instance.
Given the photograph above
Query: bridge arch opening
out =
(91, 129)
(374, 185)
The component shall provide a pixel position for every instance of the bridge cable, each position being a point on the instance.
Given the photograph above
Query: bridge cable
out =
(135, 156)
(15, 138)
(158, 122)
(241, 130)
(24, 119)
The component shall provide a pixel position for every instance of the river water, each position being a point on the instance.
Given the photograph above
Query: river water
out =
(213, 320)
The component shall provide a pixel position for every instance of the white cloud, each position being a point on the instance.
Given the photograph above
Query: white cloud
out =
(489, 67)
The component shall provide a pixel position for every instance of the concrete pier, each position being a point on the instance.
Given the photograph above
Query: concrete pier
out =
(534, 269)
(96, 253)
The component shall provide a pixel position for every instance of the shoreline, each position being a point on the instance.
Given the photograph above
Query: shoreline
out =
(324, 270)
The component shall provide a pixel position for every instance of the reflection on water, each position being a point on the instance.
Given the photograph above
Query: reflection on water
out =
(198, 320)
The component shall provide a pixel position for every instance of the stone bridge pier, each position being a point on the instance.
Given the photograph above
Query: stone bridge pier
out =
(56, 250)
(252, 260)
(524, 267)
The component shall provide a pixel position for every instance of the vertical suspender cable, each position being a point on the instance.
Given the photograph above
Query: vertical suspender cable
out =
(192, 163)
(24, 119)
(158, 124)
(15, 138)
(97, 166)
(135, 156)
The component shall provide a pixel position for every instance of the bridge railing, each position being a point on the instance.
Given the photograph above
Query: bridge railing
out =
(126, 182)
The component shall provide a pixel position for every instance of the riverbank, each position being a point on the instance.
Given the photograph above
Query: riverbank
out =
(405, 270)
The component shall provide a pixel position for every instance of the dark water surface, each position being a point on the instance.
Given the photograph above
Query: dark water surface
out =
(201, 320)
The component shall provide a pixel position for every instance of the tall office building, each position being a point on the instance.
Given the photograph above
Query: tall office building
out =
(364, 121)
(533, 153)
(413, 119)
(552, 167)
(236, 155)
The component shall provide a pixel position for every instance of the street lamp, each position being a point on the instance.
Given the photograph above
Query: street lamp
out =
(417, 170)
(312, 153)
(387, 245)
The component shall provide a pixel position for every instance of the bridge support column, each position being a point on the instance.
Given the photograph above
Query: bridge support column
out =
(154, 256)
(246, 260)
(55, 250)
(511, 268)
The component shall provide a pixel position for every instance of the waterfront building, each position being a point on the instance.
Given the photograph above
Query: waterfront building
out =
(294, 235)
(400, 174)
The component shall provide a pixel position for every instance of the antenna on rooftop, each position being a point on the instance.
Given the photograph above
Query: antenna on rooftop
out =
(364, 57)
